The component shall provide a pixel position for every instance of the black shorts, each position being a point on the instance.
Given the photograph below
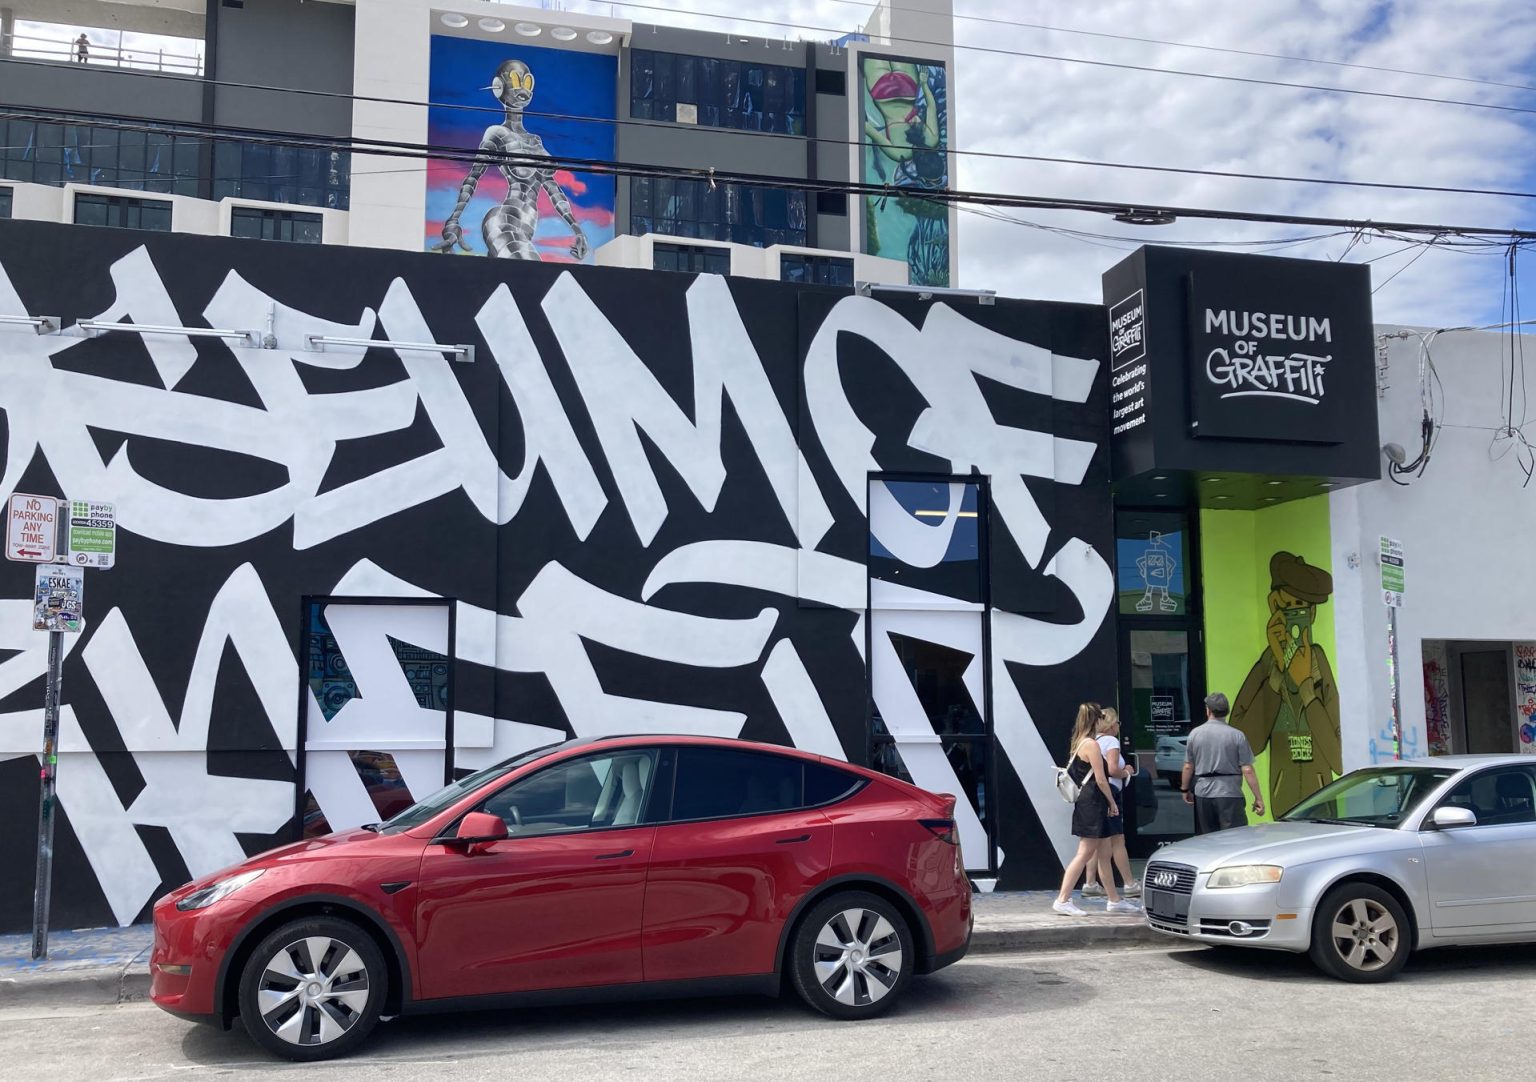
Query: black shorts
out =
(1090, 813)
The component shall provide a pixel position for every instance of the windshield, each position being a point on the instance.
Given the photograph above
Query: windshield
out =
(445, 797)
(1378, 796)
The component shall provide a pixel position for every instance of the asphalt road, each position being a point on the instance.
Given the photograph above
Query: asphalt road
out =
(1148, 1014)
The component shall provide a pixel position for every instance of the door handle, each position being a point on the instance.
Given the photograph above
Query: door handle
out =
(793, 841)
(615, 856)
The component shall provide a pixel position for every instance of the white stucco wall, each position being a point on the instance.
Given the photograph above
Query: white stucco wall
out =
(1466, 526)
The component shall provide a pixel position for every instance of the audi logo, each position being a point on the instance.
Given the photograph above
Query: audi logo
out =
(1165, 879)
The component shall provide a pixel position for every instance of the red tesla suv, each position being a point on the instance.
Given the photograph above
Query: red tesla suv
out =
(594, 869)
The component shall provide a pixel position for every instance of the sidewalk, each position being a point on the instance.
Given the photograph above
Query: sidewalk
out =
(111, 965)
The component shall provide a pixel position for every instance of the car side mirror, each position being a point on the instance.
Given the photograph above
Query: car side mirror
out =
(1449, 817)
(479, 829)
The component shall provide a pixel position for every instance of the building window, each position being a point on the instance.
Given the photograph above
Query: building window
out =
(306, 176)
(834, 203)
(122, 211)
(691, 259)
(831, 81)
(258, 223)
(5, 202)
(816, 270)
(716, 93)
(41, 152)
(728, 212)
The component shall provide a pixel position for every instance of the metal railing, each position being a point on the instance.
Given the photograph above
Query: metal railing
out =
(97, 55)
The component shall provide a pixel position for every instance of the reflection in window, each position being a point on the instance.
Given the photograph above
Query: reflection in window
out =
(260, 223)
(64, 152)
(816, 270)
(925, 535)
(123, 212)
(685, 207)
(307, 176)
(594, 793)
(691, 259)
(714, 783)
(716, 92)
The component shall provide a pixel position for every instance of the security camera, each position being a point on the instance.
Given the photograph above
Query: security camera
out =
(1395, 452)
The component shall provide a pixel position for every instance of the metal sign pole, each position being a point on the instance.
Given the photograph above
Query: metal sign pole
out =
(1397, 698)
(45, 804)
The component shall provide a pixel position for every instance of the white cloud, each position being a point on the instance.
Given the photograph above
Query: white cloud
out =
(1016, 105)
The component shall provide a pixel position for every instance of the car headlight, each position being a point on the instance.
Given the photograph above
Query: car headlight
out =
(1244, 875)
(202, 899)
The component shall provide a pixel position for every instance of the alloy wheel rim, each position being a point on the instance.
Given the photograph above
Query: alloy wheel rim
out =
(1365, 934)
(313, 991)
(858, 957)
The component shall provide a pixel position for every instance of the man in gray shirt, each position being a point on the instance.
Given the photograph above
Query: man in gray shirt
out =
(1219, 760)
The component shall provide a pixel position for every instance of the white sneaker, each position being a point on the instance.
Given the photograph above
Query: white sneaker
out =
(1132, 889)
(1068, 908)
(1093, 890)
(1124, 905)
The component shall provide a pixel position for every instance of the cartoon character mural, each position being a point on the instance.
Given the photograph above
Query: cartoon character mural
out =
(1156, 566)
(1289, 704)
(906, 127)
(545, 213)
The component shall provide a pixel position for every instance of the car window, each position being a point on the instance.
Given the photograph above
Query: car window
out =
(1506, 795)
(1374, 796)
(824, 784)
(591, 793)
(713, 783)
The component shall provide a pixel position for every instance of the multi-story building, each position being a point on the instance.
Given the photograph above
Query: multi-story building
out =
(736, 151)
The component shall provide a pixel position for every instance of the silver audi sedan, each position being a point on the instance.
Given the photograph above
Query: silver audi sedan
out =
(1387, 860)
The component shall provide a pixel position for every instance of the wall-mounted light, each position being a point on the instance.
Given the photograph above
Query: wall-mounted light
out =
(563, 33)
(318, 342)
(1221, 497)
(1395, 452)
(528, 30)
(492, 26)
(599, 37)
(93, 327)
(1272, 484)
(455, 20)
(41, 324)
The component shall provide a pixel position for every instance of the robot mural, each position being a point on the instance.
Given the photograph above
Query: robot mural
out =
(509, 228)
(1157, 565)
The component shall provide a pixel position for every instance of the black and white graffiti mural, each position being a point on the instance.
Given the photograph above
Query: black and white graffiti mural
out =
(651, 502)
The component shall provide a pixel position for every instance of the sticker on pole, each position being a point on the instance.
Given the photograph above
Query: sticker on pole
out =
(1392, 572)
(58, 603)
(92, 534)
(31, 528)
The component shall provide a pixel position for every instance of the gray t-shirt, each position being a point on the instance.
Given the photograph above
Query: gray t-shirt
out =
(1217, 748)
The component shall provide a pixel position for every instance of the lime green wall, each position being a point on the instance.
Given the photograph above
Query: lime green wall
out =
(1235, 549)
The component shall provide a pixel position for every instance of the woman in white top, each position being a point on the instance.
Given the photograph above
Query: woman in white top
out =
(1091, 813)
(1113, 847)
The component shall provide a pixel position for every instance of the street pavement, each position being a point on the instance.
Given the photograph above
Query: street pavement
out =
(1169, 1014)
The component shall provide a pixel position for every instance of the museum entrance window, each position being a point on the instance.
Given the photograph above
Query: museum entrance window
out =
(930, 720)
(1161, 674)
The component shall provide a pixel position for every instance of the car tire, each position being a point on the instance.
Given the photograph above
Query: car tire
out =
(1360, 934)
(852, 956)
(313, 989)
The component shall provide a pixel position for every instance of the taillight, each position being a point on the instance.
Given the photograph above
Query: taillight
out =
(943, 829)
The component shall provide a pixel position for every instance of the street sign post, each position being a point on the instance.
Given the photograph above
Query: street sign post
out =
(31, 528)
(92, 540)
(1390, 556)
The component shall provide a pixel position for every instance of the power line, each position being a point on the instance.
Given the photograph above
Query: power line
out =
(710, 175)
(1116, 65)
(1204, 48)
(827, 141)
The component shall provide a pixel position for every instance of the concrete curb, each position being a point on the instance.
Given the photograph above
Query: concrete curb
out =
(105, 986)
(86, 986)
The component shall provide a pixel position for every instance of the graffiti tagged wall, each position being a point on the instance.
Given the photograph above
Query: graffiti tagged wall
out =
(905, 107)
(493, 98)
(645, 504)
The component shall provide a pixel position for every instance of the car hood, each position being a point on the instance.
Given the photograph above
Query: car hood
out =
(1278, 843)
(329, 845)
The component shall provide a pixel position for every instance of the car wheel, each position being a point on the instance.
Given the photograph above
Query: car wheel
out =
(313, 989)
(1360, 934)
(851, 956)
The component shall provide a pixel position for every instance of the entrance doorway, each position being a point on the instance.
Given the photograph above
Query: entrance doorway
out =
(930, 702)
(1479, 697)
(375, 708)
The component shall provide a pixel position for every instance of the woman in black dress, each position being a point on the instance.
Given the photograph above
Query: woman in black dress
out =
(1090, 815)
